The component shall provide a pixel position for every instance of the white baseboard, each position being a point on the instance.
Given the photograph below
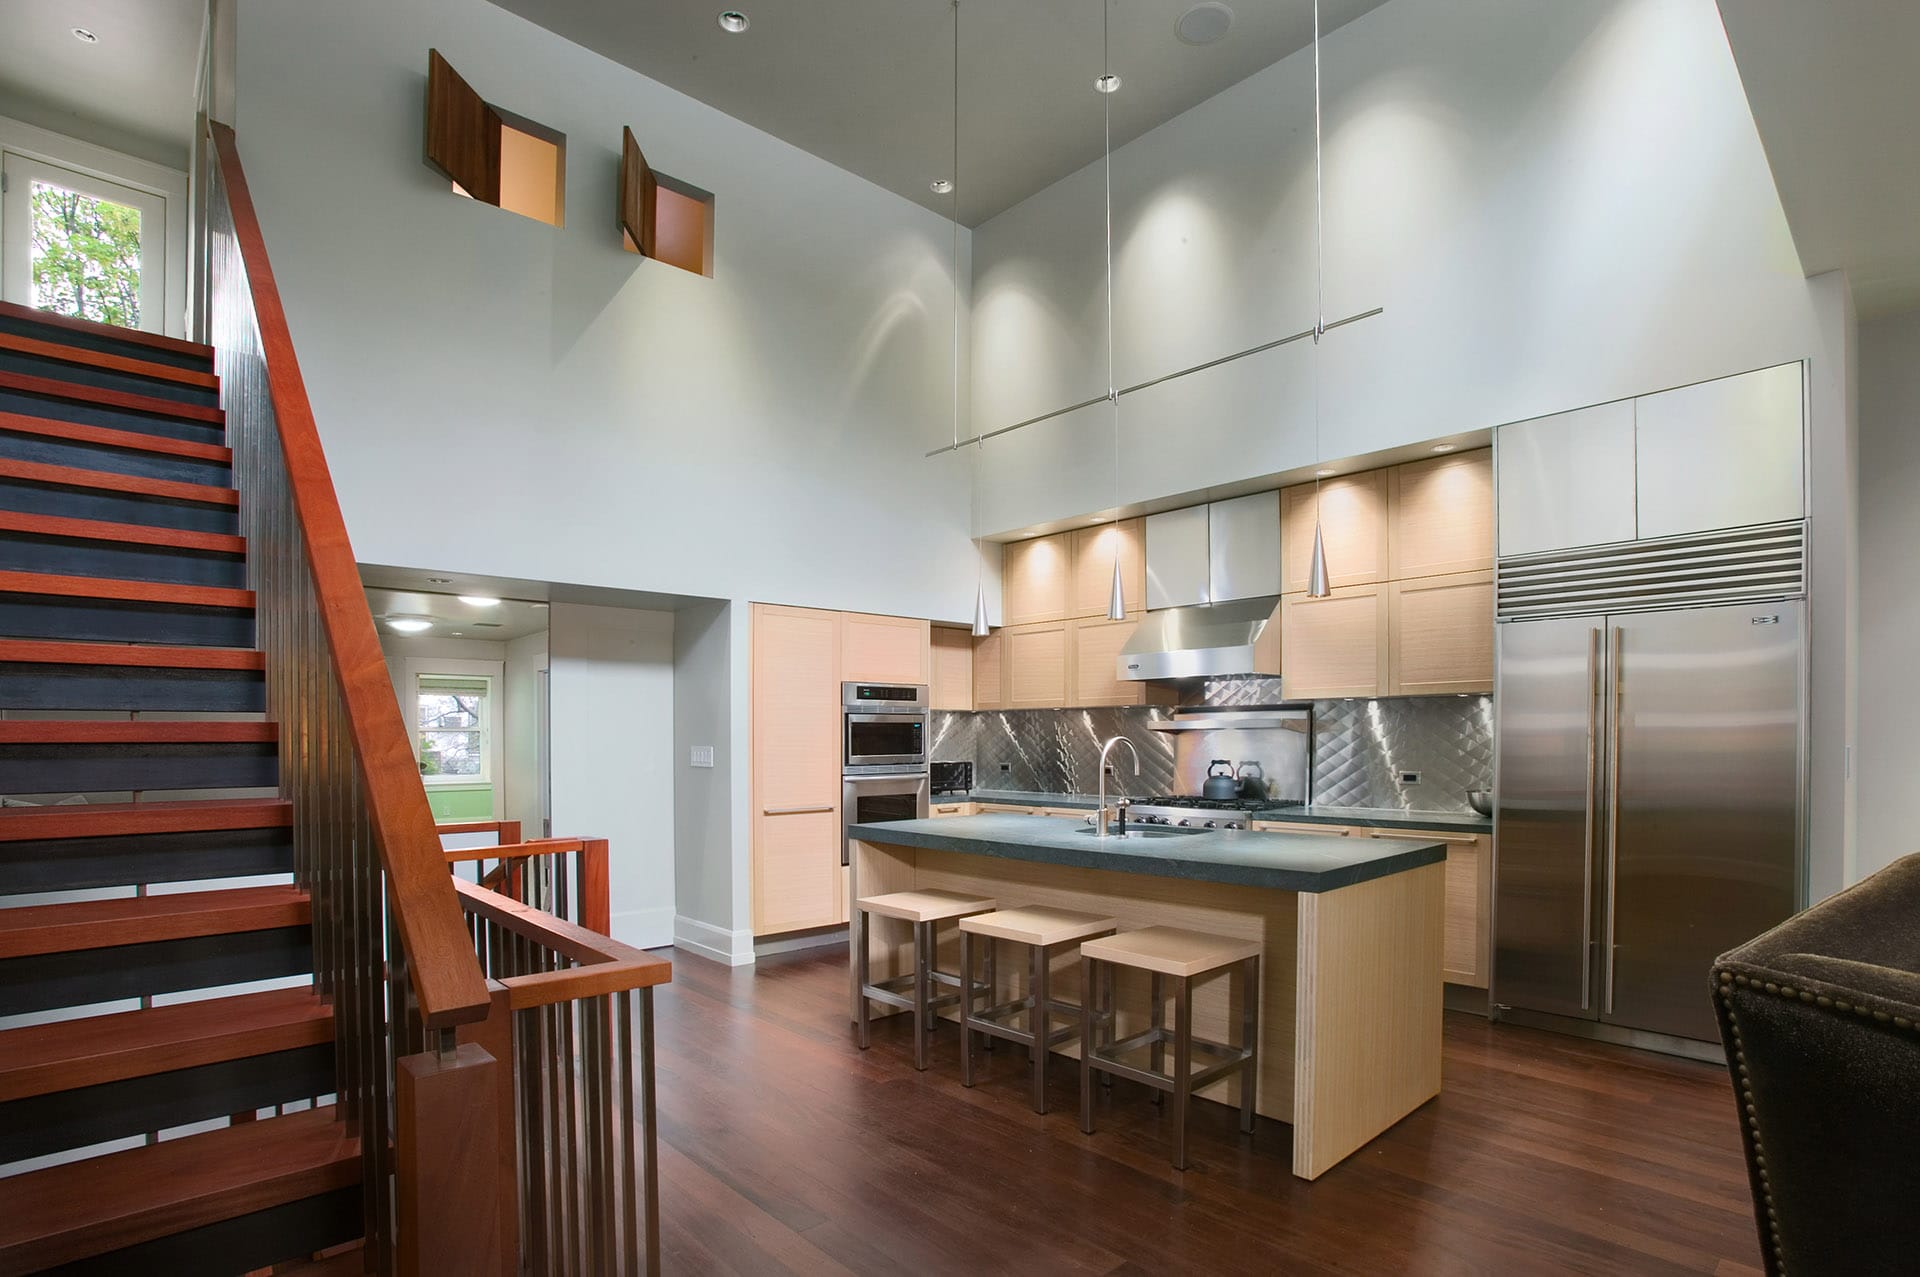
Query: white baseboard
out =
(734, 948)
(644, 928)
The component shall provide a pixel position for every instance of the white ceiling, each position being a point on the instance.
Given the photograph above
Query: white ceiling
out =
(868, 84)
(134, 90)
(505, 620)
(1835, 90)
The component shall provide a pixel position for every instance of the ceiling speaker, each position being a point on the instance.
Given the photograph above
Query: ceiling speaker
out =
(1204, 23)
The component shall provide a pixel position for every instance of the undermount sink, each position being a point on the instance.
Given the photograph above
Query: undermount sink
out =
(1138, 833)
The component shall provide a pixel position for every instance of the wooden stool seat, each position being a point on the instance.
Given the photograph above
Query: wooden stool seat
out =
(932, 905)
(1171, 951)
(1038, 924)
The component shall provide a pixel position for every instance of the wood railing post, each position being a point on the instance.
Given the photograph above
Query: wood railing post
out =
(596, 892)
(447, 1158)
(495, 1035)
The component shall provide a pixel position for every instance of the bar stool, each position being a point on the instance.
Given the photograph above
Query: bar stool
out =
(912, 991)
(1183, 956)
(1042, 930)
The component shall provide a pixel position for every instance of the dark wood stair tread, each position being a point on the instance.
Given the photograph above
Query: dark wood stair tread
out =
(124, 655)
(53, 525)
(108, 731)
(107, 437)
(39, 349)
(103, 1204)
(113, 332)
(108, 481)
(120, 400)
(105, 587)
(103, 924)
(44, 1058)
(350, 1262)
(117, 820)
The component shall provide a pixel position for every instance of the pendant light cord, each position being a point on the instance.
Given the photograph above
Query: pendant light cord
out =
(1106, 102)
(1319, 263)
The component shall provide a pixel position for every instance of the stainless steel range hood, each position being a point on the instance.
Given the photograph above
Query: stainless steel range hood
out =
(1208, 640)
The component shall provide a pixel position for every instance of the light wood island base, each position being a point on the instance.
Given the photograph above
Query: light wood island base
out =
(1351, 987)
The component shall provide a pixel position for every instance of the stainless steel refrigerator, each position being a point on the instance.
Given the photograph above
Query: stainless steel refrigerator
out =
(1651, 808)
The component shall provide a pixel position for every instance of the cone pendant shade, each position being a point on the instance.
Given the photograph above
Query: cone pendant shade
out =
(1117, 599)
(980, 627)
(1317, 586)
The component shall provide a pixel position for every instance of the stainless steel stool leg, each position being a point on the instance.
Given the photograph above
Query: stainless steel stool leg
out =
(1111, 1014)
(1182, 1066)
(1157, 1053)
(992, 976)
(922, 965)
(863, 973)
(966, 1007)
(1250, 1038)
(1041, 1022)
(1087, 978)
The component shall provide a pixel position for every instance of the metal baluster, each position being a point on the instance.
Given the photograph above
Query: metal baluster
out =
(649, 1152)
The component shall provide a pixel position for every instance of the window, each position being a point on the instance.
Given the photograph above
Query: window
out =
(490, 154)
(663, 217)
(454, 728)
(81, 245)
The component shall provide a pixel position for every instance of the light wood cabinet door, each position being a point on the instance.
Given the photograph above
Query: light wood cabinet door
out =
(1286, 827)
(1353, 525)
(1442, 628)
(1093, 551)
(938, 810)
(1036, 657)
(796, 767)
(951, 659)
(1096, 658)
(882, 649)
(1336, 646)
(1440, 515)
(1469, 893)
(1037, 580)
(990, 671)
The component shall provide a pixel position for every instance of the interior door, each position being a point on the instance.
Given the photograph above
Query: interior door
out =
(1549, 724)
(82, 245)
(1707, 813)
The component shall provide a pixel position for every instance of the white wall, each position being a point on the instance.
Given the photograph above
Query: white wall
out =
(705, 868)
(662, 431)
(526, 659)
(1888, 756)
(611, 708)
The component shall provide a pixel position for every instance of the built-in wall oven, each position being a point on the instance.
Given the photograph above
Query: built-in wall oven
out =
(883, 755)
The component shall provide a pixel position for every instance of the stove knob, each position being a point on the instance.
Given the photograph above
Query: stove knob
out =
(1185, 823)
(1213, 824)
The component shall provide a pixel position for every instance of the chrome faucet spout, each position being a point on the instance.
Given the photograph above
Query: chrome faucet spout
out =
(1100, 817)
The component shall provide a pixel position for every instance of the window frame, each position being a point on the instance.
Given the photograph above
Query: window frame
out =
(492, 734)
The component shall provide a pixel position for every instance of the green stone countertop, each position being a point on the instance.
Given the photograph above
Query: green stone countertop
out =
(1463, 822)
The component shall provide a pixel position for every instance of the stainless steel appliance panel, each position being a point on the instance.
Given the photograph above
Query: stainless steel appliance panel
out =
(1704, 840)
(1177, 558)
(1566, 480)
(1548, 727)
(1243, 548)
(1721, 454)
(1271, 746)
(873, 799)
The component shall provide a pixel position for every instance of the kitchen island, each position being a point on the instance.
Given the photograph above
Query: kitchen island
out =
(1351, 987)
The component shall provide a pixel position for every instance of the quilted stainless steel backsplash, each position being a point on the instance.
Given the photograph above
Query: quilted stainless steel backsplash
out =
(1360, 747)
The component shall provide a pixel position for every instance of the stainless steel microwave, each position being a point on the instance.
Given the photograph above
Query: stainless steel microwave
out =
(884, 727)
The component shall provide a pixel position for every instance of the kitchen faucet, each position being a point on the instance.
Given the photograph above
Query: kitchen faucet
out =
(1100, 817)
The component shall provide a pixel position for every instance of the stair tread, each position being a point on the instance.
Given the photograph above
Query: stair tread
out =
(106, 587)
(121, 655)
(108, 437)
(107, 480)
(347, 1263)
(108, 731)
(53, 525)
(117, 820)
(134, 336)
(121, 400)
(103, 1204)
(104, 924)
(37, 348)
(44, 1058)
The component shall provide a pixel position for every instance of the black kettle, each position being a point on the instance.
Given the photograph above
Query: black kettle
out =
(1221, 786)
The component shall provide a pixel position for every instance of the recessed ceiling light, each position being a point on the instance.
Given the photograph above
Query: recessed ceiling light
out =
(539, 604)
(1204, 23)
(733, 22)
(85, 36)
(461, 633)
(1326, 474)
(1108, 83)
(942, 185)
(479, 600)
(1443, 447)
(439, 580)
(409, 624)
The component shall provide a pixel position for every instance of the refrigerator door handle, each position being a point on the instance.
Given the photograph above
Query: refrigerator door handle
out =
(1586, 872)
(1615, 707)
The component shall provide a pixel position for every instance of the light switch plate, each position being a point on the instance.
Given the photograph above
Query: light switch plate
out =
(702, 756)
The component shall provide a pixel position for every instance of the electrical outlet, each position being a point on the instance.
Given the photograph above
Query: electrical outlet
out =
(1409, 778)
(1006, 767)
(702, 756)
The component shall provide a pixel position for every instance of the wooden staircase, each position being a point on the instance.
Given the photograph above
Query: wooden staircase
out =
(123, 607)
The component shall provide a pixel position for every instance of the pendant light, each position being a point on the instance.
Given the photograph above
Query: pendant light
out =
(1318, 584)
(951, 188)
(1106, 84)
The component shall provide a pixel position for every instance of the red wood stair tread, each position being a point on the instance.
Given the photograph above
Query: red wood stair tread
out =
(53, 525)
(347, 1263)
(106, 436)
(103, 1204)
(107, 731)
(107, 481)
(102, 587)
(103, 924)
(133, 335)
(122, 655)
(114, 820)
(24, 345)
(43, 1058)
(121, 400)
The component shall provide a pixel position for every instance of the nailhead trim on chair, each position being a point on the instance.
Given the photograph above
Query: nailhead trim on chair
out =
(1727, 981)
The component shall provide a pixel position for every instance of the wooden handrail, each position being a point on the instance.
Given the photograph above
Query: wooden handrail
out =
(447, 979)
(515, 850)
(577, 943)
(509, 830)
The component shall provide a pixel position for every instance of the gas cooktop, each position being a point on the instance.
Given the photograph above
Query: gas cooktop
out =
(1186, 811)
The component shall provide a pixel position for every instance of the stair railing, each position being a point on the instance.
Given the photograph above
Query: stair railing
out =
(391, 946)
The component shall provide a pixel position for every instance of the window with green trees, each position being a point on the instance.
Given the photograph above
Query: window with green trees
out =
(86, 256)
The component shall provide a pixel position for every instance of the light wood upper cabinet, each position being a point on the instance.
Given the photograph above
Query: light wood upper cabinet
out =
(882, 649)
(1037, 580)
(1093, 551)
(1036, 657)
(1442, 634)
(951, 660)
(796, 768)
(1353, 525)
(1096, 660)
(1440, 515)
(990, 671)
(1336, 646)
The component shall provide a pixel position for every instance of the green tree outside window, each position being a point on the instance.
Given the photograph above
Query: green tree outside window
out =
(86, 256)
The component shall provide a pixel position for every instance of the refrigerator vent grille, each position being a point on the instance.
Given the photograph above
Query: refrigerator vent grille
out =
(1739, 566)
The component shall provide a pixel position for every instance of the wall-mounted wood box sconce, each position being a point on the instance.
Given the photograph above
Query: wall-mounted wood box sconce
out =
(662, 217)
(491, 154)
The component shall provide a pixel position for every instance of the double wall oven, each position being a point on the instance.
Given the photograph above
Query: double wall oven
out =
(883, 755)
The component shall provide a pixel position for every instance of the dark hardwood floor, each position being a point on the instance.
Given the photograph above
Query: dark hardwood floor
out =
(784, 1148)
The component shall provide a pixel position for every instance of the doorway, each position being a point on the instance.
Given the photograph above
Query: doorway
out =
(81, 245)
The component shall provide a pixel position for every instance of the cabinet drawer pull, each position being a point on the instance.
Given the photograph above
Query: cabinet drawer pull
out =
(1452, 840)
(793, 811)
